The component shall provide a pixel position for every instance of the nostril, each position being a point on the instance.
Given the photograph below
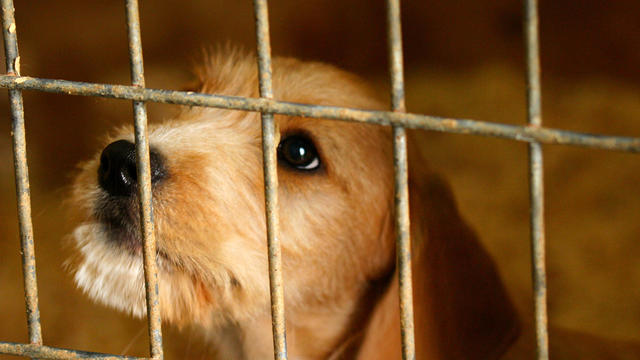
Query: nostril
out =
(117, 171)
(114, 173)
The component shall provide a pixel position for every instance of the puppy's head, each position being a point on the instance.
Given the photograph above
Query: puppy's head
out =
(208, 200)
(335, 195)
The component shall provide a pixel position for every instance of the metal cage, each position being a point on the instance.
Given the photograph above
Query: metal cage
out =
(532, 133)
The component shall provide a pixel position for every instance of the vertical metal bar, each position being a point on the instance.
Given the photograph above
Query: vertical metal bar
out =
(144, 183)
(23, 192)
(403, 238)
(271, 183)
(536, 182)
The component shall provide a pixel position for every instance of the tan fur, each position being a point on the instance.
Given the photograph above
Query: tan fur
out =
(336, 232)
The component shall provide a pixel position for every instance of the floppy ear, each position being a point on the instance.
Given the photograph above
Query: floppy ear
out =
(461, 308)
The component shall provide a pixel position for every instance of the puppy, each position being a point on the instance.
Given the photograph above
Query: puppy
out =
(336, 229)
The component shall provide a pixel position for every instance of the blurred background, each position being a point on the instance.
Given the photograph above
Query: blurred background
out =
(463, 58)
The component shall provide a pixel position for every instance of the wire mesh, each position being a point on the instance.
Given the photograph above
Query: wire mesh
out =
(533, 133)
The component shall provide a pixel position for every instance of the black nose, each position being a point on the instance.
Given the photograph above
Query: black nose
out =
(117, 172)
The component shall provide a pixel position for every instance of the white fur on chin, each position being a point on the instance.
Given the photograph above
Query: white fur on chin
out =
(109, 275)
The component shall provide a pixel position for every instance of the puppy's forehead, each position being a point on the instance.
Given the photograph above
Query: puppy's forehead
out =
(236, 74)
(321, 84)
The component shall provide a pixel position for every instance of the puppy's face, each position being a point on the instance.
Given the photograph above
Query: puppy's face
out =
(335, 188)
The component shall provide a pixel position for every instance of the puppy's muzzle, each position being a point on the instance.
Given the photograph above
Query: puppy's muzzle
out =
(117, 172)
(116, 207)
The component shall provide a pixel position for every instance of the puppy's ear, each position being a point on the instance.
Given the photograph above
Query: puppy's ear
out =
(461, 308)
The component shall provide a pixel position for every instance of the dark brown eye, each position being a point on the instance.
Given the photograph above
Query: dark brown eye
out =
(299, 152)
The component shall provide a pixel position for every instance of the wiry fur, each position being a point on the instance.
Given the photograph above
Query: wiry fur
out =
(336, 228)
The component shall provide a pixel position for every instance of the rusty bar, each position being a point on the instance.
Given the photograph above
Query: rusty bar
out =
(403, 238)
(47, 352)
(407, 120)
(271, 183)
(21, 169)
(144, 183)
(536, 180)
(403, 242)
(394, 37)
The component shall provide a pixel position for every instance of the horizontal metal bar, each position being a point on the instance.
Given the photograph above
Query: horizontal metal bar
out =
(144, 183)
(48, 352)
(426, 122)
(21, 170)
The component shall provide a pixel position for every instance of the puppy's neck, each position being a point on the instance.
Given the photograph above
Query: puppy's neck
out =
(320, 331)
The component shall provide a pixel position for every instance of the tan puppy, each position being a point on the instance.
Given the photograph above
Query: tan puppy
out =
(337, 229)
